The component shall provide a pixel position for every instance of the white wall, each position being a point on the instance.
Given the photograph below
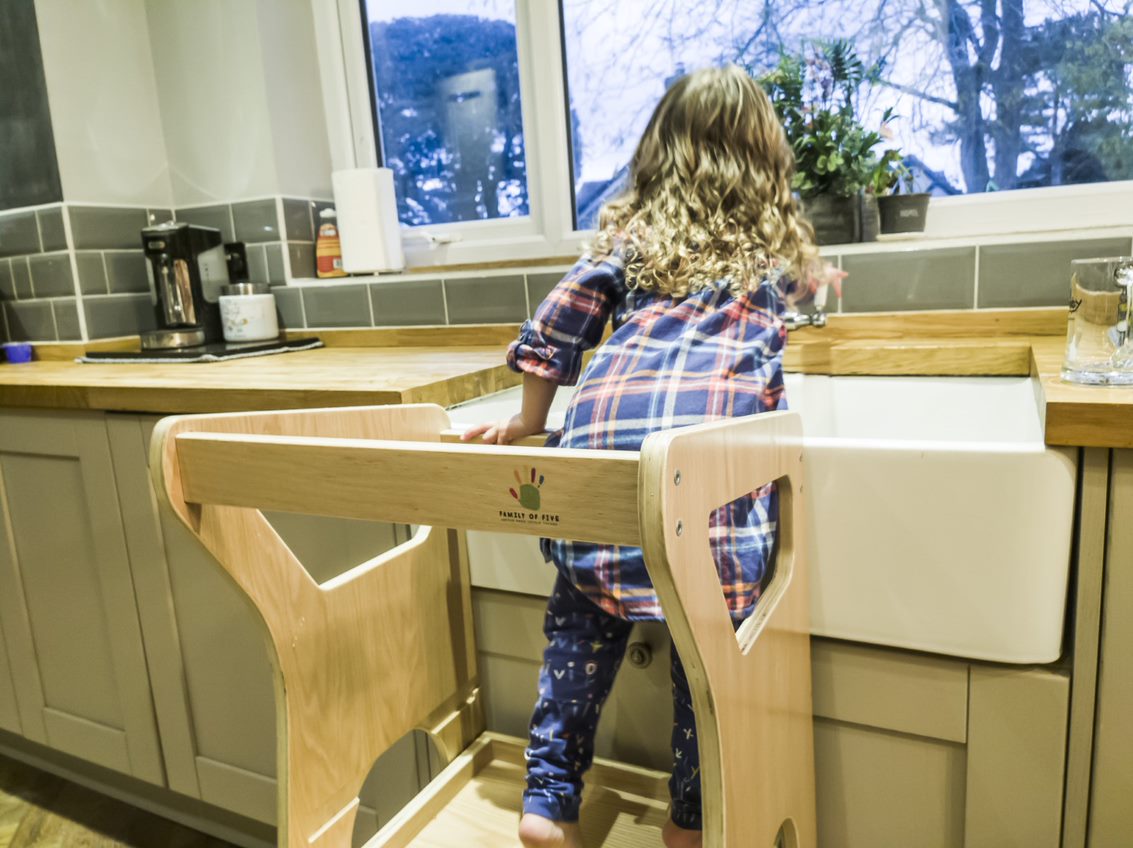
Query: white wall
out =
(214, 104)
(295, 99)
(241, 104)
(103, 98)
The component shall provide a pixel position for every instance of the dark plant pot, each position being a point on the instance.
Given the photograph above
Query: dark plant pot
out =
(903, 213)
(871, 218)
(842, 220)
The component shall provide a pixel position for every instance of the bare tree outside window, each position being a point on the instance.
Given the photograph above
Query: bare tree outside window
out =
(446, 86)
(990, 94)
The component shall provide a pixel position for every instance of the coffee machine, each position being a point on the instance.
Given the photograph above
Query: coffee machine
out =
(188, 268)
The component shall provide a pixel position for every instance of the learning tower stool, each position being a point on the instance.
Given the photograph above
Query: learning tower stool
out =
(388, 646)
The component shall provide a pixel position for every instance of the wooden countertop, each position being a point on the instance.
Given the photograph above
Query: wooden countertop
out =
(1027, 342)
(343, 376)
(415, 366)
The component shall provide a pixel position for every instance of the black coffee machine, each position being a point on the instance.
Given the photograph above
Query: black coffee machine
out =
(188, 267)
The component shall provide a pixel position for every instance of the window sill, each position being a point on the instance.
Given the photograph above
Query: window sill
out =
(926, 241)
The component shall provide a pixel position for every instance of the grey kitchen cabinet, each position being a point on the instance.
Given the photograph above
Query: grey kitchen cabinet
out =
(9, 712)
(210, 662)
(1111, 816)
(910, 749)
(69, 619)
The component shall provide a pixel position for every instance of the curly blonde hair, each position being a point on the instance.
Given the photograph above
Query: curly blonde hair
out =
(710, 192)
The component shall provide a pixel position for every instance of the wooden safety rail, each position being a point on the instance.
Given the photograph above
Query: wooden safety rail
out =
(388, 646)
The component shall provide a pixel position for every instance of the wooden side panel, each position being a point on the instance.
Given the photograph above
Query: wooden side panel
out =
(1016, 758)
(361, 658)
(757, 750)
(1111, 815)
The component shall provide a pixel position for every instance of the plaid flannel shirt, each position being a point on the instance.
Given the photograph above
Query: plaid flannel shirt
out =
(669, 363)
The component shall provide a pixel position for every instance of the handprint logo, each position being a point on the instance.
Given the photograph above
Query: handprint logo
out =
(528, 494)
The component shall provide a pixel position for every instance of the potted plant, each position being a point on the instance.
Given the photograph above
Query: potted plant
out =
(898, 212)
(815, 94)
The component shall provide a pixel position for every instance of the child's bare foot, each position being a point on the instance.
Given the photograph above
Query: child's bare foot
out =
(679, 837)
(538, 832)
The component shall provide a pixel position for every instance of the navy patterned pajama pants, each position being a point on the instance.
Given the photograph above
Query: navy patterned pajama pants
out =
(585, 646)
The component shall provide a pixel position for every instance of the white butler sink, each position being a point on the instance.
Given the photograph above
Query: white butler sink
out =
(939, 521)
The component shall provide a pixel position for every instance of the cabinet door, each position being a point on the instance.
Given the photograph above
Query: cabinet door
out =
(66, 597)
(9, 713)
(1111, 817)
(210, 661)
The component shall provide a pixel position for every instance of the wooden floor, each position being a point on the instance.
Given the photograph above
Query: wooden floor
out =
(39, 810)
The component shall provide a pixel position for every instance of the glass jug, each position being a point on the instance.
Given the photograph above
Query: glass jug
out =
(1099, 341)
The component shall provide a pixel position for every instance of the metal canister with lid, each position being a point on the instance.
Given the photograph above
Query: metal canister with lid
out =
(247, 313)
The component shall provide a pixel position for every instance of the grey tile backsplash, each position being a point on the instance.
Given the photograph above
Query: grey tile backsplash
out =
(257, 263)
(66, 320)
(51, 231)
(302, 256)
(19, 234)
(40, 300)
(256, 221)
(31, 321)
(92, 272)
(486, 300)
(51, 274)
(118, 315)
(126, 271)
(289, 307)
(1013, 275)
(273, 255)
(7, 286)
(218, 217)
(297, 219)
(337, 306)
(415, 302)
(909, 280)
(539, 286)
(104, 227)
(21, 277)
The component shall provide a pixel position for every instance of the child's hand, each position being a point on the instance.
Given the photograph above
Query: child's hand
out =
(502, 432)
(826, 275)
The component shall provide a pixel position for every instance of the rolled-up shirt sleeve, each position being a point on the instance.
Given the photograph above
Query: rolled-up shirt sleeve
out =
(569, 321)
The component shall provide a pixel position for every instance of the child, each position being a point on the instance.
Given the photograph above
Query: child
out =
(693, 265)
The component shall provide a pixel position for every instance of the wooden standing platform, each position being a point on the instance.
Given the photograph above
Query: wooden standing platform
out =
(388, 646)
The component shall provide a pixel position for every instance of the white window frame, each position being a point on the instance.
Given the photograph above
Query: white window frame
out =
(549, 229)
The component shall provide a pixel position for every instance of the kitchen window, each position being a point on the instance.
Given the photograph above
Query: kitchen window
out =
(508, 123)
(445, 87)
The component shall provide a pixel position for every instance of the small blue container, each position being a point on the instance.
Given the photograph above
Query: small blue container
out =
(16, 352)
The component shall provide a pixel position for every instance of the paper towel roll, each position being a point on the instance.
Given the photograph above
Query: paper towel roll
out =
(367, 220)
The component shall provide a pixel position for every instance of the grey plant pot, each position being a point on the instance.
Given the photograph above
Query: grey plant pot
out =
(903, 213)
(842, 220)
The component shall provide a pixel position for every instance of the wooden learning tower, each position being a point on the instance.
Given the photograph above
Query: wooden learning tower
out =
(388, 646)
